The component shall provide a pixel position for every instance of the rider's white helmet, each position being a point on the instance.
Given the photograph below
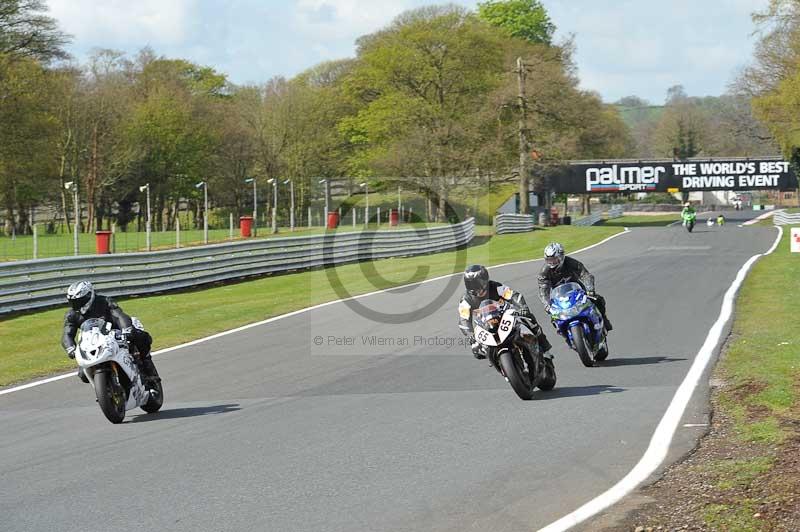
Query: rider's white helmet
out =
(80, 295)
(554, 255)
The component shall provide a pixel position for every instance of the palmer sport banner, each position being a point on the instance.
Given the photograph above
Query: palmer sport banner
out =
(674, 176)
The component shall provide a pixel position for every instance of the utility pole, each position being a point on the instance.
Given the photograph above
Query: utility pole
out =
(523, 140)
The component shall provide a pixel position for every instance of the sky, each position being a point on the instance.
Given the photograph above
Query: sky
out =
(624, 47)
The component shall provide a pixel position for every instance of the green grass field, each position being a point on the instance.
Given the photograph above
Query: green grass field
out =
(60, 245)
(30, 343)
(656, 220)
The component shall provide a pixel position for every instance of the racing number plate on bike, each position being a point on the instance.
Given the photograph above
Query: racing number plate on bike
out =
(484, 336)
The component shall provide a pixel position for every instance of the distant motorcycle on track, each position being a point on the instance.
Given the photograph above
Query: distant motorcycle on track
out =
(689, 219)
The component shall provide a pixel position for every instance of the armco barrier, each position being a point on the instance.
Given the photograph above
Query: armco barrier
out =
(41, 283)
(784, 218)
(589, 220)
(513, 223)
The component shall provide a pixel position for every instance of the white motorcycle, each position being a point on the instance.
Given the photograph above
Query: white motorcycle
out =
(103, 357)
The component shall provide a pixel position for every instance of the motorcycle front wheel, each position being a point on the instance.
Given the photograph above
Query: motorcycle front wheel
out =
(110, 395)
(512, 370)
(580, 345)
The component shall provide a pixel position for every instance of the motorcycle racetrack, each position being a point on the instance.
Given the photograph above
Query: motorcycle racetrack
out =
(346, 417)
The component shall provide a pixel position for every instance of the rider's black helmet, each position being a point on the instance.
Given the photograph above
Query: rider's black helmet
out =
(476, 279)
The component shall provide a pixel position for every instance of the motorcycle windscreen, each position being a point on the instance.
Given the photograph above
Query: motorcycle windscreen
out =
(488, 315)
(567, 300)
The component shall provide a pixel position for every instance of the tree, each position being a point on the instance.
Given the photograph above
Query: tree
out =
(26, 32)
(418, 79)
(774, 80)
(25, 170)
(524, 19)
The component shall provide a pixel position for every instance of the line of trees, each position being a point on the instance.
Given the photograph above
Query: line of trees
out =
(431, 100)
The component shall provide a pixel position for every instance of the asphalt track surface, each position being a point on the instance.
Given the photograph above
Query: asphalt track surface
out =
(265, 430)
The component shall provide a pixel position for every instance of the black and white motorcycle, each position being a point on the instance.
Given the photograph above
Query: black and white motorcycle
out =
(103, 357)
(508, 341)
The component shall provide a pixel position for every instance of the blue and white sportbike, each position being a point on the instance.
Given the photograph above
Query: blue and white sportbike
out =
(578, 320)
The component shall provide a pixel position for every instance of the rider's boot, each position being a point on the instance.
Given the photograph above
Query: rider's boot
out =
(149, 372)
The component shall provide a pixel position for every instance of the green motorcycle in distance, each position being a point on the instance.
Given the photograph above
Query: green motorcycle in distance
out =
(689, 217)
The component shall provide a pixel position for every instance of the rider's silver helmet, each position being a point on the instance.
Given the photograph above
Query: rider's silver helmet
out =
(554, 255)
(80, 295)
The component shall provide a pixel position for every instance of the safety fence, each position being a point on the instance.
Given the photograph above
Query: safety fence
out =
(40, 283)
(513, 223)
(784, 218)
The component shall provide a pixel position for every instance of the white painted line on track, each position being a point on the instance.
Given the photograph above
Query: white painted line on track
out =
(692, 425)
(290, 314)
(662, 437)
(761, 217)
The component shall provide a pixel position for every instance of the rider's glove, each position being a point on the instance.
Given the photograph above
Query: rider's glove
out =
(591, 293)
(71, 351)
(477, 351)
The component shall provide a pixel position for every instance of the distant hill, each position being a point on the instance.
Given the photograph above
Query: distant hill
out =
(635, 116)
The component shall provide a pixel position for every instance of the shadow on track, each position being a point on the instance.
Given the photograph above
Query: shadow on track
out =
(186, 412)
(577, 391)
(634, 361)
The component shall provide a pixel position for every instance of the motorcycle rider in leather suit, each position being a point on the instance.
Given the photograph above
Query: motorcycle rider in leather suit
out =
(480, 288)
(559, 269)
(86, 304)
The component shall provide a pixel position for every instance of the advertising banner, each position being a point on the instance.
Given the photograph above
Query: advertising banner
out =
(674, 176)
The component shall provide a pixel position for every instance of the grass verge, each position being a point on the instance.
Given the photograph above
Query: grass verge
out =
(656, 220)
(743, 475)
(30, 343)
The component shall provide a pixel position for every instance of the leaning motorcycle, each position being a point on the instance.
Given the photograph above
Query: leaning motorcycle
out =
(104, 358)
(579, 321)
(508, 341)
(689, 220)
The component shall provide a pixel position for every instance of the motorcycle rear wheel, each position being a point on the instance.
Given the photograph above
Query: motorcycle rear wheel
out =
(154, 403)
(549, 380)
(602, 353)
(110, 395)
(512, 369)
(580, 346)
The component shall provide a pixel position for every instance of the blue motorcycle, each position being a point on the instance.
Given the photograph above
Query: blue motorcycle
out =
(578, 320)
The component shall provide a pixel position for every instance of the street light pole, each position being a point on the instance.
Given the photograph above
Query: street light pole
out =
(274, 182)
(291, 208)
(205, 209)
(327, 196)
(148, 224)
(366, 208)
(74, 186)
